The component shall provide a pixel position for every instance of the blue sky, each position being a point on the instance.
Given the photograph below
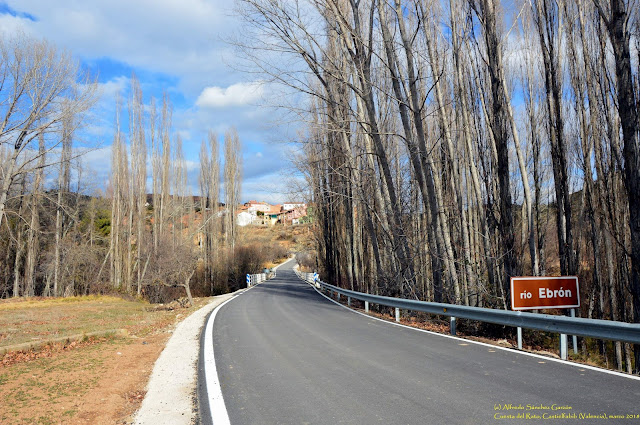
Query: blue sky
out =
(175, 46)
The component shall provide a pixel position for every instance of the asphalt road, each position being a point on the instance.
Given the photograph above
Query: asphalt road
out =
(287, 355)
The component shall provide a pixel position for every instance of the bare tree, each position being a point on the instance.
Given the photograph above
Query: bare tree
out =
(619, 17)
(138, 174)
(213, 225)
(165, 169)
(174, 265)
(546, 16)
(498, 121)
(205, 212)
(42, 88)
(209, 188)
(232, 183)
(156, 168)
(64, 181)
(180, 201)
(33, 238)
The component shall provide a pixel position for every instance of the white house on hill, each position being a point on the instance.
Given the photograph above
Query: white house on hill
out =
(244, 218)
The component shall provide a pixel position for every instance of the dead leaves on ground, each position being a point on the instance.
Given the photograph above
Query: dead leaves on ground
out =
(47, 350)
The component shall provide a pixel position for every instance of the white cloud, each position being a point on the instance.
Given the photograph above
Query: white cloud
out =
(239, 94)
(270, 188)
(176, 37)
(111, 88)
(12, 25)
(96, 164)
(182, 40)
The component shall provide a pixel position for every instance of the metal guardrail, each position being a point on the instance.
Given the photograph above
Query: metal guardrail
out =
(594, 328)
(254, 279)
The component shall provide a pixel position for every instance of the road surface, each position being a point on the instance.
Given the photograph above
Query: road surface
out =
(287, 355)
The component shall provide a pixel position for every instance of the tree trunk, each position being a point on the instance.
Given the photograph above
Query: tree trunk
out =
(617, 25)
(498, 128)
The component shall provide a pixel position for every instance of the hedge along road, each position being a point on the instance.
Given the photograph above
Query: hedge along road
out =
(285, 354)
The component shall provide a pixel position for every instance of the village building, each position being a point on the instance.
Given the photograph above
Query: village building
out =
(265, 214)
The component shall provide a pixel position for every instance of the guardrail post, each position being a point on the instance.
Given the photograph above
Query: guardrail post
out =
(563, 346)
(453, 325)
(519, 338)
(337, 296)
(349, 301)
(366, 306)
(397, 314)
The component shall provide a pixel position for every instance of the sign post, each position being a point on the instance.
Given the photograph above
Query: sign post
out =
(533, 293)
(575, 338)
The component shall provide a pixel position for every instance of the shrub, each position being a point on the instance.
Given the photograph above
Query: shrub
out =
(307, 260)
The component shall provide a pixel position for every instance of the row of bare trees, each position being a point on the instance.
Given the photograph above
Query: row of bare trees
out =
(43, 99)
(164, 238)
(58, 237)
(453, 145)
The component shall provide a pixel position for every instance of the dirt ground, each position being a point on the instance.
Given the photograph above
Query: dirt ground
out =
(101, 383)
(95, 381)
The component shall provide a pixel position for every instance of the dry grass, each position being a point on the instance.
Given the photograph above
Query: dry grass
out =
(92, 380)
(42, 320)
(292, 238)
(32, 391)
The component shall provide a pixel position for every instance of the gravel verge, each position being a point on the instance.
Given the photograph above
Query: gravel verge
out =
(170, 392)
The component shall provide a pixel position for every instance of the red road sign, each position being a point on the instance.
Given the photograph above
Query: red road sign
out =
(530, 293)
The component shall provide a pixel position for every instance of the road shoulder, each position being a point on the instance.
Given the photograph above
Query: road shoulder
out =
(172, 386)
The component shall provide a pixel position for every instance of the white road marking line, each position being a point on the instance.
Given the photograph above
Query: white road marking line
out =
(509, 350)
(217, 408)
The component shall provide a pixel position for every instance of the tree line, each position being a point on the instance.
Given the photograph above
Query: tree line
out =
(164, 238)
(452, 145)
(59, 236)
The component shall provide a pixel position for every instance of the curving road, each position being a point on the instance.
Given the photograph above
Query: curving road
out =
(287, 355)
